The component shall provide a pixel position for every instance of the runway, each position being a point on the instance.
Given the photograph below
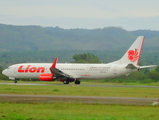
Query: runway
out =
(77, 99)
(95, 85)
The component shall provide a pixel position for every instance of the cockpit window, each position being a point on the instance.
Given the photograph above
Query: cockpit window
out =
(9, 67)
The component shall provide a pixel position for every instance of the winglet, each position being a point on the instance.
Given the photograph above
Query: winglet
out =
(53, 65)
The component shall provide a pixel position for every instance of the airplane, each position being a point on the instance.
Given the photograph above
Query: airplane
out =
(74, 72)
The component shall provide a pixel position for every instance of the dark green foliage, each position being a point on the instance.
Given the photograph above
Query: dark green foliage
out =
(86, 58)
(142, 76)
(154, 75)
(157, 69)
(2, 77)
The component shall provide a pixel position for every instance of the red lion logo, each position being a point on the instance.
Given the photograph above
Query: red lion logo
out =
(133, 55)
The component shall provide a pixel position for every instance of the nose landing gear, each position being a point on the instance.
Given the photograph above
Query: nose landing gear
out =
(15, 81)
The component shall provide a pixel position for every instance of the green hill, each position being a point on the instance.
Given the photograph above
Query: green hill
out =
(23, 38)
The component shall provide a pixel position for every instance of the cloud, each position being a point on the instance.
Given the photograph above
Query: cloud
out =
(80, 9)
(81, 14)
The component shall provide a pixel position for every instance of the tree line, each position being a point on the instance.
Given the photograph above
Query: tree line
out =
(9, 58)
(142, 76)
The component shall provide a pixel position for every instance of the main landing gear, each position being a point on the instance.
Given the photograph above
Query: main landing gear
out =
(77, 82)
(66, 81)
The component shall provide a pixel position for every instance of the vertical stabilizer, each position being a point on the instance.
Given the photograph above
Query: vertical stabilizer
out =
(133, 53)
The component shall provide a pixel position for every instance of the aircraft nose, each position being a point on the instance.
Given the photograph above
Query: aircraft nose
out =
(4, 72)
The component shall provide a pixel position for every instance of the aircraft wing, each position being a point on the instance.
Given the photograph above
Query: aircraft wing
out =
(59, 73)
(56, 72)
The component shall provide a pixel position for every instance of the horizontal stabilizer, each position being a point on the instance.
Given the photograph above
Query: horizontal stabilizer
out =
(132, 66)
(150, 66)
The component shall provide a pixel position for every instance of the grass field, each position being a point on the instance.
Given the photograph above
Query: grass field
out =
(74, 110)
(79, 90)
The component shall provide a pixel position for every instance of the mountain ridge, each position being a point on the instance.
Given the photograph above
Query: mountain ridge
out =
(37, 38)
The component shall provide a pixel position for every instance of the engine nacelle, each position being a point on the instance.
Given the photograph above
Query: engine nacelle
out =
(47, 77)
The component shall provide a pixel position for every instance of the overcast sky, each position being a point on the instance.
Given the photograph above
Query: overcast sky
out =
(89, 14)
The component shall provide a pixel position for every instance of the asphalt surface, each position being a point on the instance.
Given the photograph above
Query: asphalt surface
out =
(77, 99)
(95, 85)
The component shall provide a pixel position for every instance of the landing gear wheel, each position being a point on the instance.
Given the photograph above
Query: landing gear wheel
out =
(15, 81)
(77, 82)
(65, 82)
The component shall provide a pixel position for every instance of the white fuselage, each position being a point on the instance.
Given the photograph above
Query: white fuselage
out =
(69, 72)
(77, 71)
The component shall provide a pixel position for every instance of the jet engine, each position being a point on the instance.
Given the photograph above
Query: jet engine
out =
(47, 77)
